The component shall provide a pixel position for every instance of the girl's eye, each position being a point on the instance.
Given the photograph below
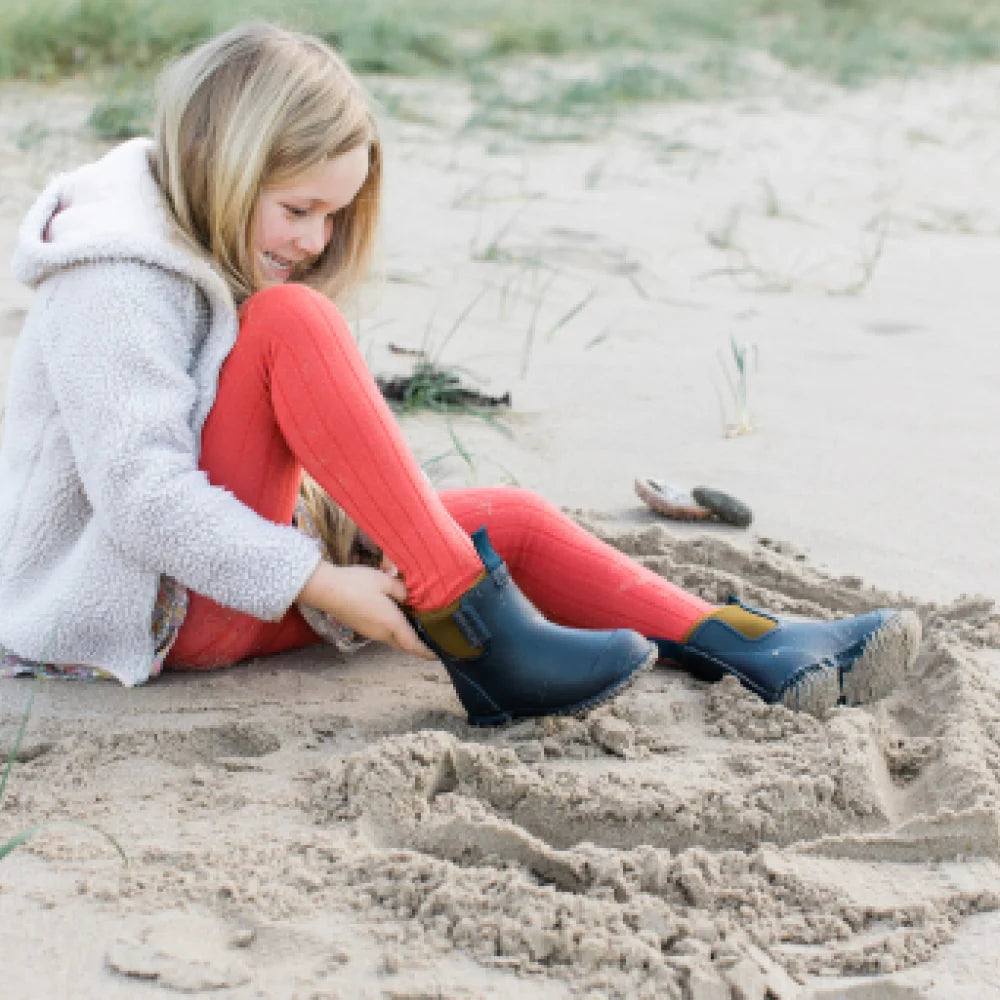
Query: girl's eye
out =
(294, 211)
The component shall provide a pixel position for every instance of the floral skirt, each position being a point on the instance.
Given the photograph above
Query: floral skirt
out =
(168, 616)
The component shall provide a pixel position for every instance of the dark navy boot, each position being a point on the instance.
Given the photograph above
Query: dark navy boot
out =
(515, 663)
(805, 664)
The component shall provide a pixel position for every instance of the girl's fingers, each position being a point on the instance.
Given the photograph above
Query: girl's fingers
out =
(416, 648)
(402, 635)
(406, 640)
(367, 600)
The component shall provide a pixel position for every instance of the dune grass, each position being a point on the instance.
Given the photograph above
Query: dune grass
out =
(6, 846)
(842, 39)
(121, 42)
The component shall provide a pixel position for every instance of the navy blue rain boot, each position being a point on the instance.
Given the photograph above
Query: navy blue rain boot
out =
(804, 664)
(507, 661)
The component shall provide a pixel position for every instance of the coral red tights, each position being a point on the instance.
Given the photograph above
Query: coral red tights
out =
(295, 392)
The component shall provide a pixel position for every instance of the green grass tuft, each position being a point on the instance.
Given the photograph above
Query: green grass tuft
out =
(53, 39)
(122, 116)
(9, 845)
(844, 40)
(440, 388)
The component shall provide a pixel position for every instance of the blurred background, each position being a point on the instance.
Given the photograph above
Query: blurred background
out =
(522, 59)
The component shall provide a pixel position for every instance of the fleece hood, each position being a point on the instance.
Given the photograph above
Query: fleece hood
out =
(111, 209)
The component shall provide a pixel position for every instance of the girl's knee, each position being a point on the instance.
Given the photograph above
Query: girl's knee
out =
(289, 309)
(530, 502)
(517, 504)
(289, 295)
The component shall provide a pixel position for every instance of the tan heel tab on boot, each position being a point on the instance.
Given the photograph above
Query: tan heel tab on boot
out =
(748, 624)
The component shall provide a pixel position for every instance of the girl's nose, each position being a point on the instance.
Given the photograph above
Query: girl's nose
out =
(313, 237)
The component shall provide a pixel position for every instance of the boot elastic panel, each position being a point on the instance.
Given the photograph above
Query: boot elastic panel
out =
(449, 630)
(749, 623)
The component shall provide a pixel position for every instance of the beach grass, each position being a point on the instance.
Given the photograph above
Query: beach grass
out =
(847, 41)
(11, 843)
(736, 416)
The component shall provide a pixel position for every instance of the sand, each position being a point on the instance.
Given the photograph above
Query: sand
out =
(318, 825)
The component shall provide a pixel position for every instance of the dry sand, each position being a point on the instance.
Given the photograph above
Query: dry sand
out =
(316, 826)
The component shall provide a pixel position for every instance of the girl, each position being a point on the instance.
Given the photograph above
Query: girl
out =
(182, 363)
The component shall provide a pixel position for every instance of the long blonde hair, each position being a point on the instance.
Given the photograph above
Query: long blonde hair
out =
(249, 109)
(344, 543)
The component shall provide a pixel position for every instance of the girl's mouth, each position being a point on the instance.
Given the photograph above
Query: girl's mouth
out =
(278, 264)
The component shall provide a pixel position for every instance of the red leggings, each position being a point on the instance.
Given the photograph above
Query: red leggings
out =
(295, 392)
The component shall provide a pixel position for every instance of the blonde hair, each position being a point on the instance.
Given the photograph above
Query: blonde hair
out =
(343, 541)
(249, 109)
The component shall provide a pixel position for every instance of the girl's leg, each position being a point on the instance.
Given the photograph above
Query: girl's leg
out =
(295, 392)
(575, 579)
(572, 577)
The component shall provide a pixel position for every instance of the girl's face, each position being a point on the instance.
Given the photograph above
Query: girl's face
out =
(295, 220)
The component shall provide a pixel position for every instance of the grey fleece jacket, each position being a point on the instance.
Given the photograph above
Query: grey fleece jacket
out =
(112, 378)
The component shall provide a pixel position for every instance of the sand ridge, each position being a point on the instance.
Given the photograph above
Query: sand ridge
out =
(685, 841)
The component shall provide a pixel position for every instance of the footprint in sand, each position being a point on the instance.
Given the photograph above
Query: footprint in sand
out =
(181, 951)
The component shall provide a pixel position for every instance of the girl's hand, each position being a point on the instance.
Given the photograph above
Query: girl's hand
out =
(366, 600)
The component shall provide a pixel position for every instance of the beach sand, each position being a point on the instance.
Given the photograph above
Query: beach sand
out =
(317, 825)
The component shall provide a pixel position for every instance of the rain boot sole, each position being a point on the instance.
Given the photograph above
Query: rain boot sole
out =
(816, 692)
(886, 658)
(579, 709)
(619, 688)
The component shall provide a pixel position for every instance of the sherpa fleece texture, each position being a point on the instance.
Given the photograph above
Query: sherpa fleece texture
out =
(112, 378)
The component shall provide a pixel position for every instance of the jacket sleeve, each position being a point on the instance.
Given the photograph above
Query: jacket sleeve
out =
(120, 343)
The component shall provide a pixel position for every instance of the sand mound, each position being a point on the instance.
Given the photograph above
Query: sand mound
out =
(685, 841)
